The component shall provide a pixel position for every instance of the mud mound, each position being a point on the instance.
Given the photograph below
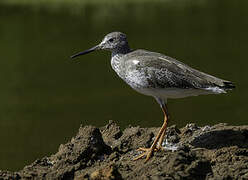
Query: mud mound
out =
(192, 152)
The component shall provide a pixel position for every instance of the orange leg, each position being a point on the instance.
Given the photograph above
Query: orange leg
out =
(160, 142)
(159, 138)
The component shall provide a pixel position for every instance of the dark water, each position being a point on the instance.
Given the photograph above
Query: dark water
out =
(45, 96)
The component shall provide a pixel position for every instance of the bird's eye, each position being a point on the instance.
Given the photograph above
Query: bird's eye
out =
(111, 40)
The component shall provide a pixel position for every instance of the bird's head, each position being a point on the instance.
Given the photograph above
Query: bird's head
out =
(114, 41)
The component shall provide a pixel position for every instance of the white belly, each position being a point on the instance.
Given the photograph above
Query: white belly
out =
(173, 93)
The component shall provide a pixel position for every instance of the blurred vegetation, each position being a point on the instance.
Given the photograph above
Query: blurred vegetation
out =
(75, 5)
(71, 2)
(45, 96)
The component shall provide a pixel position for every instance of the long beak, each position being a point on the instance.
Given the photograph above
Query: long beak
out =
(86, 51)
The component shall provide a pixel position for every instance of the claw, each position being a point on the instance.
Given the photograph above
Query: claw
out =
(139, 157)
(147, 152)
(157, 142)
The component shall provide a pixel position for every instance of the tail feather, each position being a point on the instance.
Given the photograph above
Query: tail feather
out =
(214, 82)
(228, 85)
(218, 89)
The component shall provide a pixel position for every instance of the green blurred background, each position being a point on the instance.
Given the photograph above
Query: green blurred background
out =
(45, 96)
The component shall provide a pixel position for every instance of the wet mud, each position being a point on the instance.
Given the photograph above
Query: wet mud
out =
(192, 152)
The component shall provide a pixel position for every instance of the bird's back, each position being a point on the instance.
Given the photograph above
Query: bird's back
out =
(144, 69)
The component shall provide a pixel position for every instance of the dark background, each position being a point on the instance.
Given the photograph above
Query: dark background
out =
(45, 96)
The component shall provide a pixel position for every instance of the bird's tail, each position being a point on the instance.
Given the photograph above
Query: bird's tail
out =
(228, 85)
(222, 86)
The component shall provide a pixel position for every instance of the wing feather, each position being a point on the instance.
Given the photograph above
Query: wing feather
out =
(165, 72)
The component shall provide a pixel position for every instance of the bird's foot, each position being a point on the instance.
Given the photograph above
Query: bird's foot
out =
(147, 153)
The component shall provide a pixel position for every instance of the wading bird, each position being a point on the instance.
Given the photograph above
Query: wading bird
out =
(157, 75)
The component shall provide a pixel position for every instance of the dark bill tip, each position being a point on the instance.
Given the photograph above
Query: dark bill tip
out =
(85, 52)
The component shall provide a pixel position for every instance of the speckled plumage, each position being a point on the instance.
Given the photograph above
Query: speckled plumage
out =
(157, 75)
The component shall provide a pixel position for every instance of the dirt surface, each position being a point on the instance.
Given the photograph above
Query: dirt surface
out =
(192, 152)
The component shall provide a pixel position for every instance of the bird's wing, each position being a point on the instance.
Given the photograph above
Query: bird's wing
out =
(163, 71)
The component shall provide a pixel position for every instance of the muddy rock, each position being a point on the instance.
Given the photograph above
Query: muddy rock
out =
(106, 153)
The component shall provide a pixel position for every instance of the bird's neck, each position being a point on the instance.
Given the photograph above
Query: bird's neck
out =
(120, 51)
(117, 60)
